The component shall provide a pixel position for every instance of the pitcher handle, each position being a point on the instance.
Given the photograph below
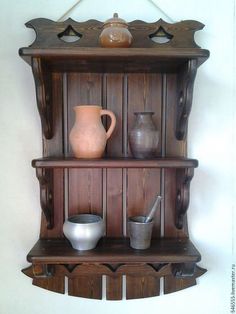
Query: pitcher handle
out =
(113, 121)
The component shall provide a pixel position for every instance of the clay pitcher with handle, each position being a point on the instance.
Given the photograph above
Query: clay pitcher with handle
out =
(88, 136)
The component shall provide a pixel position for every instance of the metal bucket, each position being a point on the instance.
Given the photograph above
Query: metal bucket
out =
(140, 232)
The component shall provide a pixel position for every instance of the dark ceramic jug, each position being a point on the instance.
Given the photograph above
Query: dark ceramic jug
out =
(144, 136)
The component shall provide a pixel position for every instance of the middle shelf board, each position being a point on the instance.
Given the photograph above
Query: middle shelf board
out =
(114, 250)
(114, 163)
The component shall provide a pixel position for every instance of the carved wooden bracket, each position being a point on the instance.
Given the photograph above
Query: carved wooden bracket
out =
(185, 81)
(183, 179)
(49, 34)
(45, 177)
(42, 78)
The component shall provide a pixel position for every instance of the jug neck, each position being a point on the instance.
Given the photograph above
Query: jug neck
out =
(87, 112)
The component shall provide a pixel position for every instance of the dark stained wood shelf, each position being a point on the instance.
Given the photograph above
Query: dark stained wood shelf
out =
(116, 59)
(114, 250)
(114, 163)
(148, 76)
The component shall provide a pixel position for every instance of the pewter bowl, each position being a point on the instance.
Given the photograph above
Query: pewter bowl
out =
(84, 231)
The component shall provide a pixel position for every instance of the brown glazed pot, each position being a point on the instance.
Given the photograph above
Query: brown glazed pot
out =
(88, 136)
(144, 136)
(115, 33)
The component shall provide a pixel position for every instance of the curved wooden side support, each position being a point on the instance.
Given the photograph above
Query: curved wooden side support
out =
(45, 177)
(42, 79)
(183, 179)
(185, 81)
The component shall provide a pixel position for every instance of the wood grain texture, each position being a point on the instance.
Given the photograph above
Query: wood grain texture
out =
(145, 94)
(114, 251)
(114, 213)
(43, 87)
(148, 76)
(49, 33)
(174, 147)
(84, 185)
(55, 284)
(177, 162)
(85, 287)
(141, 287)
(114, 287)
(54, 147)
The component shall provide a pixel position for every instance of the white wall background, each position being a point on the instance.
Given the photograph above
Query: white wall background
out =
(211, 140)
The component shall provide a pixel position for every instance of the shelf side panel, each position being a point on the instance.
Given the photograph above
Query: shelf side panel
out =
(54, 147)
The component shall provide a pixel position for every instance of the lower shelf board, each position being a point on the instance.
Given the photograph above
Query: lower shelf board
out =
(114, 250)
(54, 260)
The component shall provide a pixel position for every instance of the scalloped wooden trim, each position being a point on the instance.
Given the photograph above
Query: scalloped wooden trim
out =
(48, 33)
(52, 277)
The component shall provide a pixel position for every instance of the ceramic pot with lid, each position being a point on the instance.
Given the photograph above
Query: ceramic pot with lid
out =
(115, 33)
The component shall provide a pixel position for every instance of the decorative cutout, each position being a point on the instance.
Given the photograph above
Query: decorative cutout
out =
(183, 179)
(43, 94)
(69, 35)
(45, 177)
(185, 81)
(181, 33)
(42, 274)
(161, 36)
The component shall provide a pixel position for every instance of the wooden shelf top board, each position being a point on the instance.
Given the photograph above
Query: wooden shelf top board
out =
(114, 250)
(98, 59)
(114, 163)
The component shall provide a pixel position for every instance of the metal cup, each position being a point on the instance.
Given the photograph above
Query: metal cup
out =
(140, 232)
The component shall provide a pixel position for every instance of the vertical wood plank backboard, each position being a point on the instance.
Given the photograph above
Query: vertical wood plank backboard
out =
(84, 185)
(113, 100)
(144, 94)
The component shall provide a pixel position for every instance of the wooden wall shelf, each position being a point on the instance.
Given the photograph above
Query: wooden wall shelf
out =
(148, 76)
(114, 163)
(114, 250)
